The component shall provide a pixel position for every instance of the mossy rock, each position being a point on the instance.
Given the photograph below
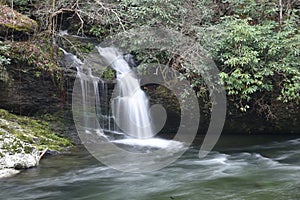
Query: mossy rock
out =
(32, 131)
(33, 81)
(10, 18)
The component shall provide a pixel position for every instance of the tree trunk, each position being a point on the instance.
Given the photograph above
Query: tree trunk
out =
(280, 12)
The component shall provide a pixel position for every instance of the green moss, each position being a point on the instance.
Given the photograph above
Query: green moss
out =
(109, 74)
(14, 147)
(32, 131)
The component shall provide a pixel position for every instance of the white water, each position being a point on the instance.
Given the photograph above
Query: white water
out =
(152, 143)
(121, 117)
(126, 110)
(130, 105)
(261, 172)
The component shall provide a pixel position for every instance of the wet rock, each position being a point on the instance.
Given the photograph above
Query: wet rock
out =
(24, 92)
(50, 152)
(3, 75)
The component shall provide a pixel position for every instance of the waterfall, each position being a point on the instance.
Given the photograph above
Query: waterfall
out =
(124, 111)
(130, 105)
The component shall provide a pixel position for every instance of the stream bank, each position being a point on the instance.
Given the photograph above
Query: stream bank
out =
(24, 141)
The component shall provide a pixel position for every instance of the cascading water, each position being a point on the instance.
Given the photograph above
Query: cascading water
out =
(129, 104)
(116, 126)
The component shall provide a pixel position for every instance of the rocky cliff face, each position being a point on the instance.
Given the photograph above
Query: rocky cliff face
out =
(26, 93)
(27, 84)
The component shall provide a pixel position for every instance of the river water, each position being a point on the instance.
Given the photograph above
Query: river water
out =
(240, 167)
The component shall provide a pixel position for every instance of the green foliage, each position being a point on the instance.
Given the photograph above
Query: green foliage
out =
(257, 10)
(152, 12)
(259, 58)
(109, 74)
(184, 16)
(97, 31)
(128, 14)
(19, 2)
(3, 59)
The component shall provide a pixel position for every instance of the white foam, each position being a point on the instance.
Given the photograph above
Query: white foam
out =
(152, 142)
(219, 159)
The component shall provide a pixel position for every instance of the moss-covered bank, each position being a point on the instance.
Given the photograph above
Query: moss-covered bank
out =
(35, 132)
(24, 140)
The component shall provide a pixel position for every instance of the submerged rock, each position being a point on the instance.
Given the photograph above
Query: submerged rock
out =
(15, 154)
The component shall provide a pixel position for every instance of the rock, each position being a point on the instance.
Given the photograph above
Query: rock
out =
(10, 18)
(5, 173)
(20, 160)
(15, 154)
(50, 152)
(3, 75)
(24, 92)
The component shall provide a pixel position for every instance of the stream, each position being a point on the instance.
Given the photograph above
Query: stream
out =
(240, 167)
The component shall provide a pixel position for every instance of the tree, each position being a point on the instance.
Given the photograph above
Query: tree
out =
(259, 57)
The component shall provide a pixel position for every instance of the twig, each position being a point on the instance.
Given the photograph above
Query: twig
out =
(43, 153)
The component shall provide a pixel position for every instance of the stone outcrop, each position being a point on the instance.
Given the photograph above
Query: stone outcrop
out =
(24, 92)
(29, 84)
(15, 154)
(24, 141)
(10, 18)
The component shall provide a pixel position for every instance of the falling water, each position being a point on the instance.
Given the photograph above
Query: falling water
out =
(128, 109)
(130, 105)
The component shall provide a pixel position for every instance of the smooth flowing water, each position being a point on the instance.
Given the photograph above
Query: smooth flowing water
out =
(128, 106)
(240, 167)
